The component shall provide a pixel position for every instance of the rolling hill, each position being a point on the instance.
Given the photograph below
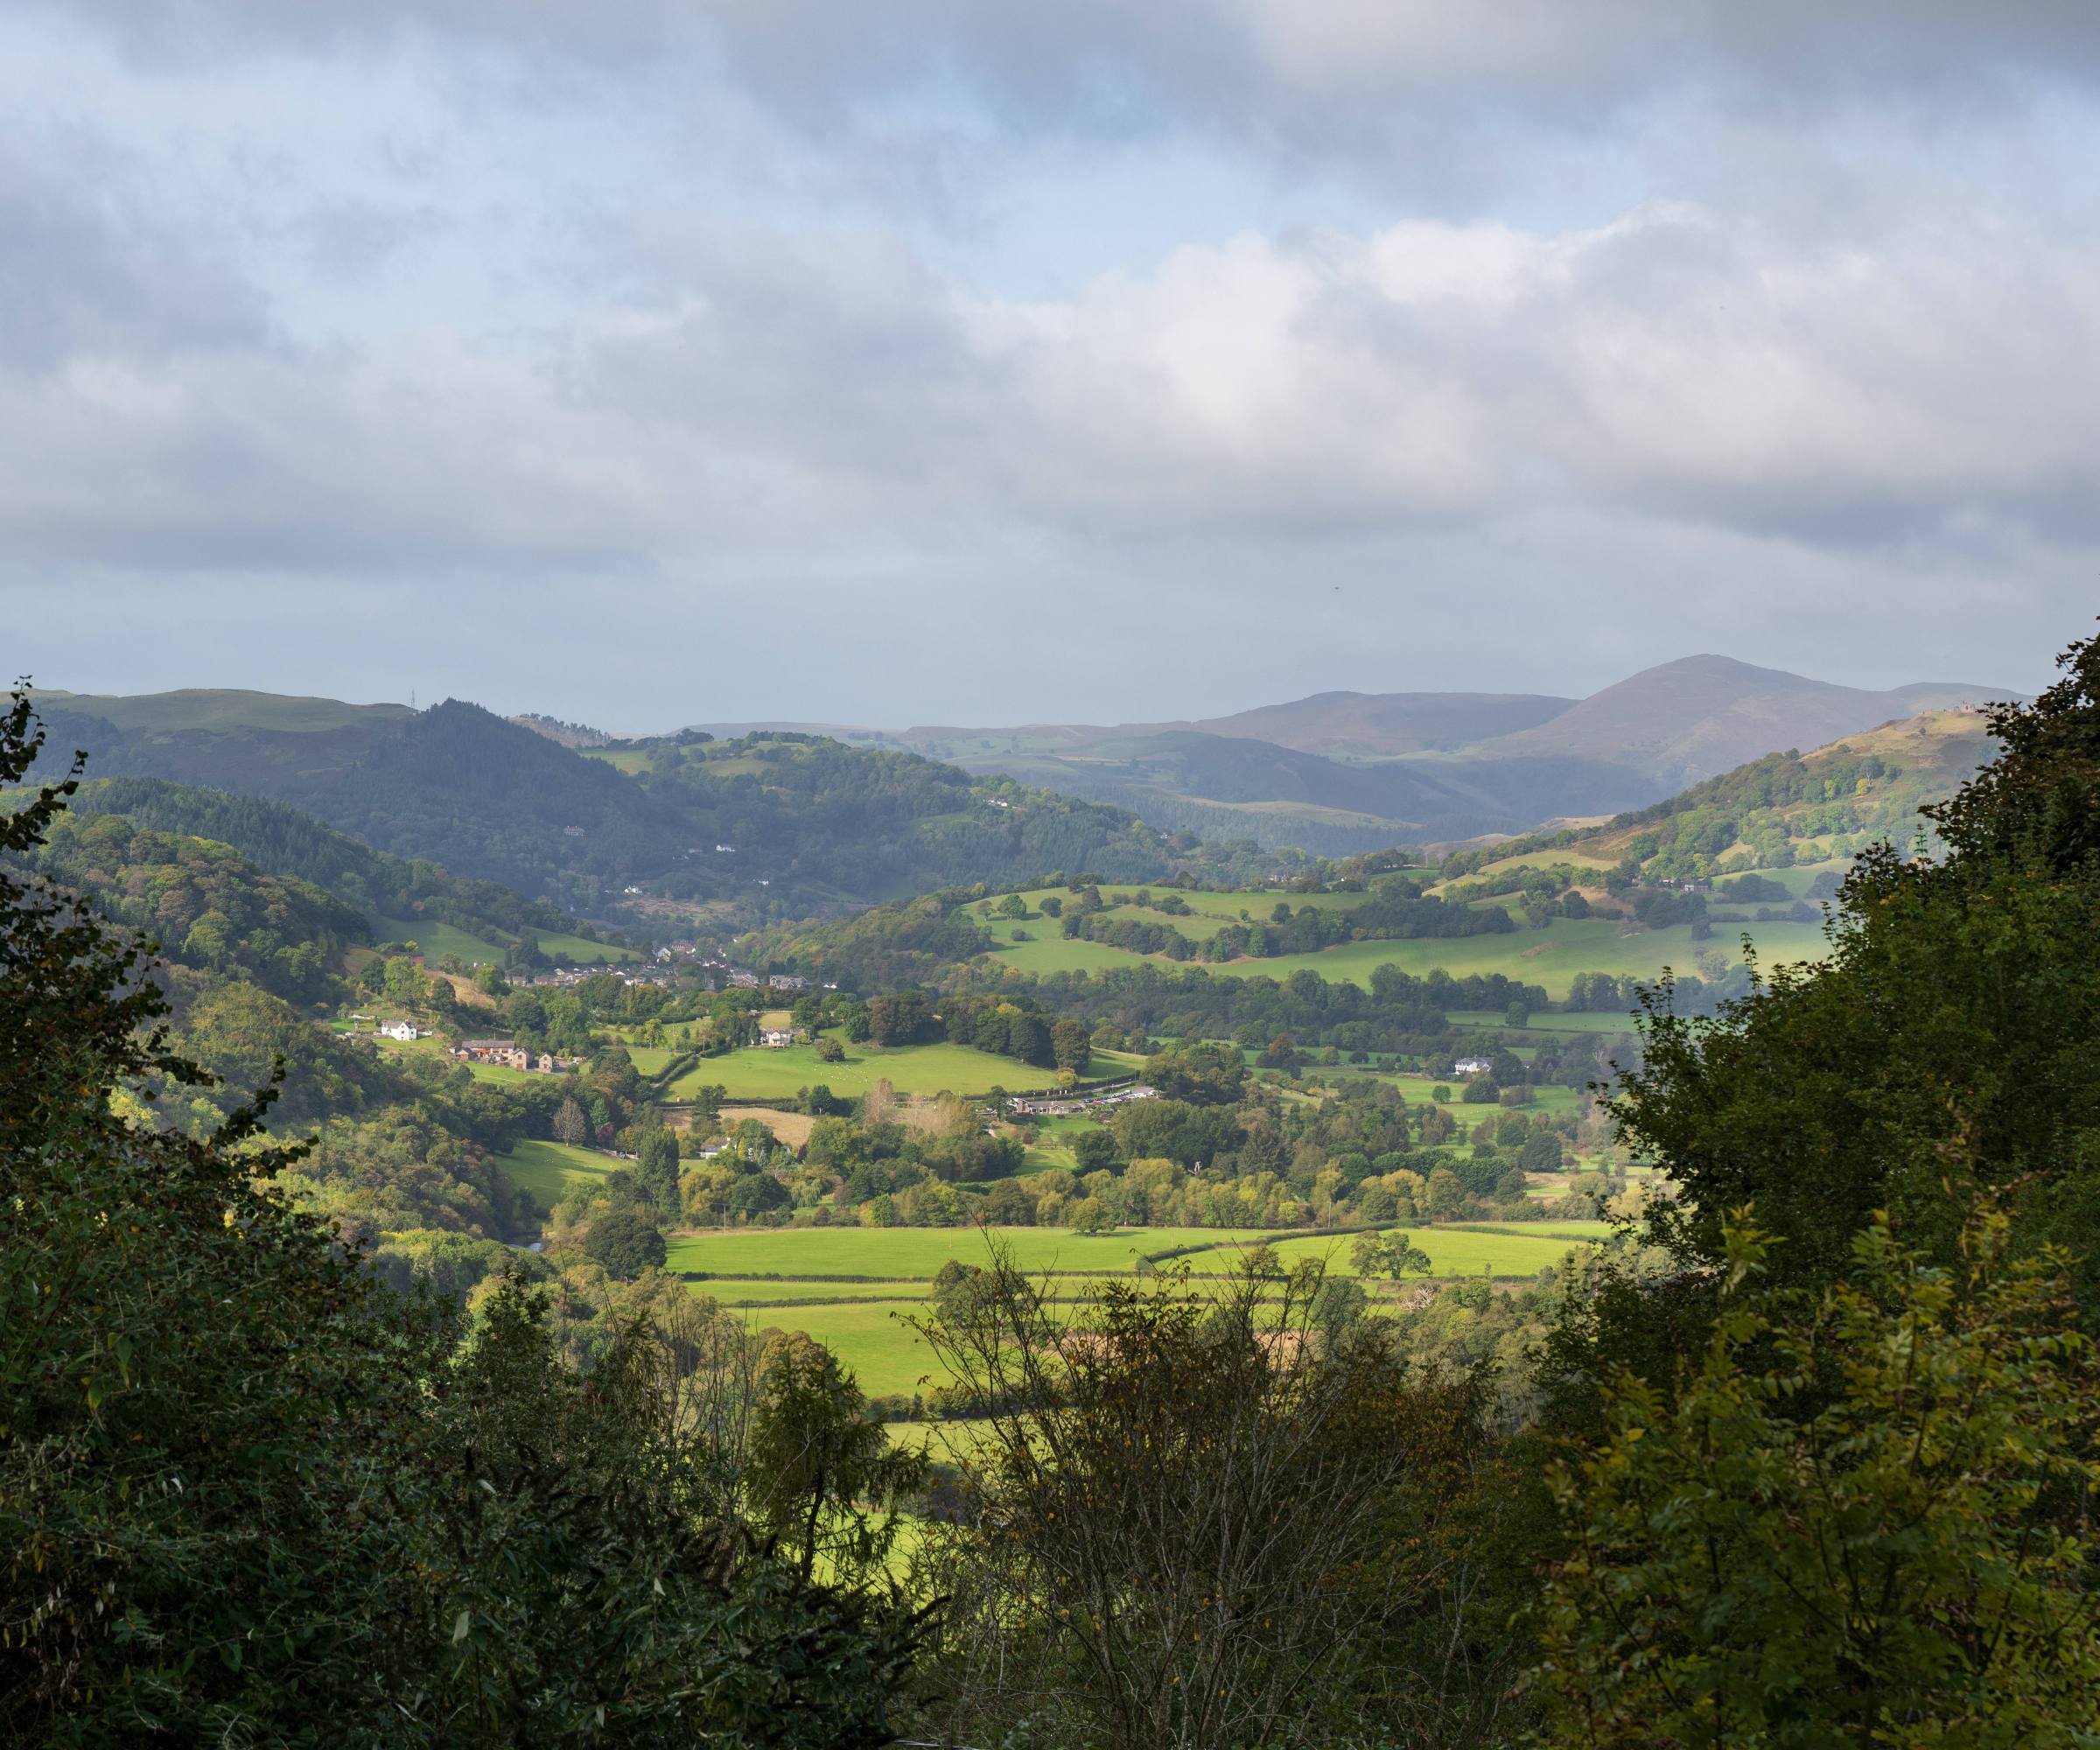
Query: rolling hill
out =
(809, 824)
(1341, 772)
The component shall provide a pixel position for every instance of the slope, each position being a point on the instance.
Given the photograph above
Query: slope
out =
(814, 824)
(398, 893)
(1683, 721)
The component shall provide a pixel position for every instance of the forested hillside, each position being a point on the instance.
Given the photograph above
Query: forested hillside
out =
(1782, 812)
(287, 842)
(809, 824)
(211, 909)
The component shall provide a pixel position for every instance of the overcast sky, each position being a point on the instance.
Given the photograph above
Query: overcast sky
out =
(647, 361)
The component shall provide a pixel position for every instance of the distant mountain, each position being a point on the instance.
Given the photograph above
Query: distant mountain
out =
(1340, 772)
(218, 708)
(1689, 719)
(1381, 725)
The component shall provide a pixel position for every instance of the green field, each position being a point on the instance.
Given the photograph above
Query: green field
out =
(1547, 1023)
(917, 1252)
(547, 1169)
(757, 1074)
(872, 1338)
(1549, 957)
(865, 1324)
(436, 941)
(1518, 1250)
(576, 949)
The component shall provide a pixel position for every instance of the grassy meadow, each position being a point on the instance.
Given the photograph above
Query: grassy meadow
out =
(436, 942)
(755, 1072)
(547, 1169)
(1550, 956)
(865, 1324)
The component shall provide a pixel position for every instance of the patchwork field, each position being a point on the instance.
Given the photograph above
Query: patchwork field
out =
(1550, 955)
(865, 1324)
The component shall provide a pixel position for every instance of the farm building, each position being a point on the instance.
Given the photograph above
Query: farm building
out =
(509, 1055)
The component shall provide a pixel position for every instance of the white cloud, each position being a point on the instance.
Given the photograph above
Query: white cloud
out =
(771, 394)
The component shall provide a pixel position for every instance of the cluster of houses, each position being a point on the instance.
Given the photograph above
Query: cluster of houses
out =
(509, 1055)
(1071, 1105)
(566, 976)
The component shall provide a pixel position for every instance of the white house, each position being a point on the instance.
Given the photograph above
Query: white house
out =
(1472, 1065)
(776, 1037)
(403, 1030)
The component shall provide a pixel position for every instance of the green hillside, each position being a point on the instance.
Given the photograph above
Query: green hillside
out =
(406, 899)
(811, 824)
(1785, 820)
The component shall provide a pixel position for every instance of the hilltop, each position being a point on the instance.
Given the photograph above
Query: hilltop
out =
(1341, 772)
(706, 832)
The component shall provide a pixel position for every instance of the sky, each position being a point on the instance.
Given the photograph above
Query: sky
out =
(649, 361)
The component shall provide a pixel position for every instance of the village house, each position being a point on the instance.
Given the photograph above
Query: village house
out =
(403, 1030)
(774, 1038)
(787, 981)
(1472, 1065)
(505, 1055)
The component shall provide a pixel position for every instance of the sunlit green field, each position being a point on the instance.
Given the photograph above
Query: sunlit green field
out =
(1545, 1023)
(1517, 1250)
(1549, 957)
(582, 952)
(547, 1169)
(921, 1252)
(860, 1322)
(436, 942)
(757, 1074)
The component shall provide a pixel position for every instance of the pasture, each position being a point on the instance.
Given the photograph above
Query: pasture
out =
(1550, 956)
(1605, 1023)
(1517, 1250)
(436, 941)
(547, 1169)
(866, 1323)
(917, 1252)
(755, 1072)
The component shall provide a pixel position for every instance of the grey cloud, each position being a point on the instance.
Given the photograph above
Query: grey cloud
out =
(84, 271)
(772, 396)
(1290, 74)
